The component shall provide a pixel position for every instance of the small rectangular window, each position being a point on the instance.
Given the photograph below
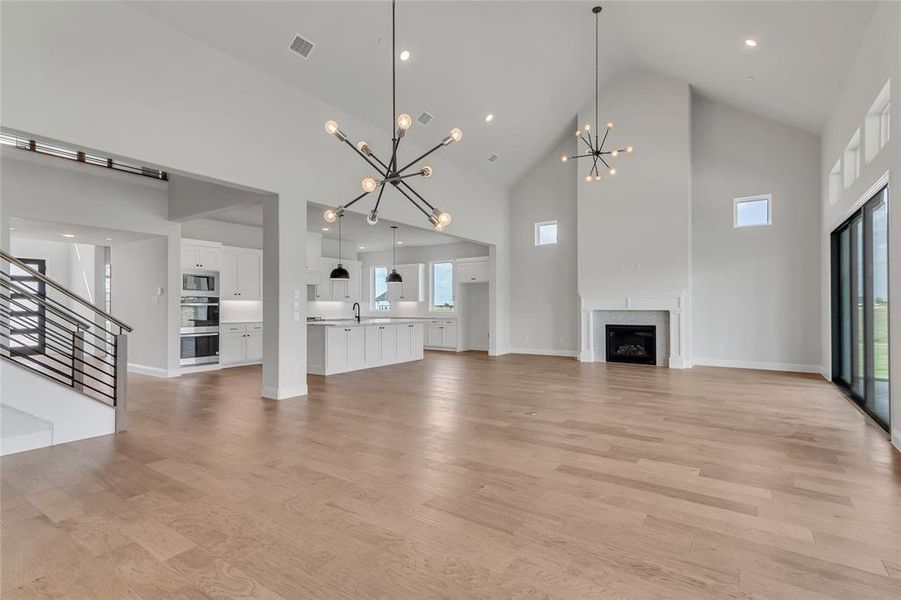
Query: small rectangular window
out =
(753, 211)
(545, 233)
(851, 167)
(442, 286)
(835, 182)
(380, 299)
(877, 126)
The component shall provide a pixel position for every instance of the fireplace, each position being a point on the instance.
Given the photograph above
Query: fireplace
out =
(632, 344)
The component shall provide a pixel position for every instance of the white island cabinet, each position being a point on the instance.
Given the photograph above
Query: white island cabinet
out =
(345, 345)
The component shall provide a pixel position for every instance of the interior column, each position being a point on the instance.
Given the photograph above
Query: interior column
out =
(284, 297)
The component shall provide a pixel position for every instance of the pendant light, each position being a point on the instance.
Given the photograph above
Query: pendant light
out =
(394, 276)
(339, 272)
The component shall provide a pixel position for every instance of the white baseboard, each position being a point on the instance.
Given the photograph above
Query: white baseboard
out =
(152, 371)
(896, 440)
(283, 393)
(545, 352)
(762, 366)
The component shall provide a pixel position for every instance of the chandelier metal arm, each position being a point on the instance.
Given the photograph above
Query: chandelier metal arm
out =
(604, 161)
(603, 141)
(413, 162)
(412, 201)
(360, 197)
(577, 156)
(587, 142)
(375, 208)
(424, 201)
(366, 158)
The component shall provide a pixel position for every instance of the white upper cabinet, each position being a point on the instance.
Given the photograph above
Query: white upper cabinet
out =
(240, 274)
(471, 270)
(195, 256)
(413, 286)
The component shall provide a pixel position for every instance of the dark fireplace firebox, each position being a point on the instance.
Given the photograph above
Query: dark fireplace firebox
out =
(632, 344)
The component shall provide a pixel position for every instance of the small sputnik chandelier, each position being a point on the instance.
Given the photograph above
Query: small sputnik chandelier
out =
(391, 172)
(595, 147)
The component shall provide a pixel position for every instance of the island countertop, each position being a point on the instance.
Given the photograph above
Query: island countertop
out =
(363, 322)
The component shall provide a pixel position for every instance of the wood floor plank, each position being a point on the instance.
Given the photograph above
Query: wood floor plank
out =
(464, 476)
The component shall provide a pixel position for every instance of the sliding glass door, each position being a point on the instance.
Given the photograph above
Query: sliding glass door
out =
(860, 307)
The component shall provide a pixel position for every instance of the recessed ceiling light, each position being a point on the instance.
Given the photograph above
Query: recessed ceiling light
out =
(68, 235)
(325, 229)
(405, 55)
(751, 43)
(399, 243)
(362, 247)
(109, 239)
(12, 228)
(489, 117)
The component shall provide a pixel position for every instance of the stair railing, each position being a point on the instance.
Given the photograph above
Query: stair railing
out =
(86, 350)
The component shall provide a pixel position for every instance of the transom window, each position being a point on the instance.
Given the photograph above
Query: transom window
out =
(545, 233)
(753, 211)
(441, 288)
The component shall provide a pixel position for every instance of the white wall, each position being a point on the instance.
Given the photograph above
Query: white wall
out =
(877, 60)
(544, 302)
(162, 98)
(635, 227)
(755, 291)
(138, 270)
(231, 234)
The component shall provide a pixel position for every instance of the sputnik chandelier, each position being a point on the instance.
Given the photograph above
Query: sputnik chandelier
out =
(390, 172)
(595, 148)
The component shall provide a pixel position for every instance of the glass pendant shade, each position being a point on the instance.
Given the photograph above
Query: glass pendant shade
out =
(339, 272)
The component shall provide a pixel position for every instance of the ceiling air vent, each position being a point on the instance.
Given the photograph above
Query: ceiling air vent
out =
(424, 118)
(493, 157)
(302, 46)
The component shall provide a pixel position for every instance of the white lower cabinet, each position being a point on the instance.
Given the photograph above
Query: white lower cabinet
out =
(240, 344)
(381, 345)
(442, 334)
(338, 349)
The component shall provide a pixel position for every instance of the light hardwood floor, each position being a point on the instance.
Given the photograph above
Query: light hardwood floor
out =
(465, 477)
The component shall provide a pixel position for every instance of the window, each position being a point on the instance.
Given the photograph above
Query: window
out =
(379, 289)
(442, 286)
(753, 211)
(545, 233)
(877, 127)
(852, 159)
(835, 182)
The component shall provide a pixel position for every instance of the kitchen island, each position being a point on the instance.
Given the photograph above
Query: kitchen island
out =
(342, 345)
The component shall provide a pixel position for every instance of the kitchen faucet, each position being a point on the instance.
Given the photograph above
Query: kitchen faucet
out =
(356, 309)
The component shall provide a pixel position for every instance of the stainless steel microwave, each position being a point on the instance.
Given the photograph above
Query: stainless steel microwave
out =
(199, 283)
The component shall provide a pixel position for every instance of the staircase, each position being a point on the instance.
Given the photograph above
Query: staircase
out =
(63, 361)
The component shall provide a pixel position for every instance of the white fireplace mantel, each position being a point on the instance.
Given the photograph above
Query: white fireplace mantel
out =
(672, 301)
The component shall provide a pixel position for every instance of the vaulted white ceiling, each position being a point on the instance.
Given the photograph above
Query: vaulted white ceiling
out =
(531, 64)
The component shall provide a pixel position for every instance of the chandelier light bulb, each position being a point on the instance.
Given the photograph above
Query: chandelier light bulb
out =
(372, 218)
(331, 127)
(578, 133)
(438, 227)
(588, 177)
(609, 124)
(329, 216)
(426, 171)
(364, 148)
(629, 149)
(612, 171)
(444, 218)
(404, 121)
(369, 184)
(456, 134)
(614, 153)
(588, 151)
(405, 55)
(597, 177)
(587, 127)
(564, 158)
